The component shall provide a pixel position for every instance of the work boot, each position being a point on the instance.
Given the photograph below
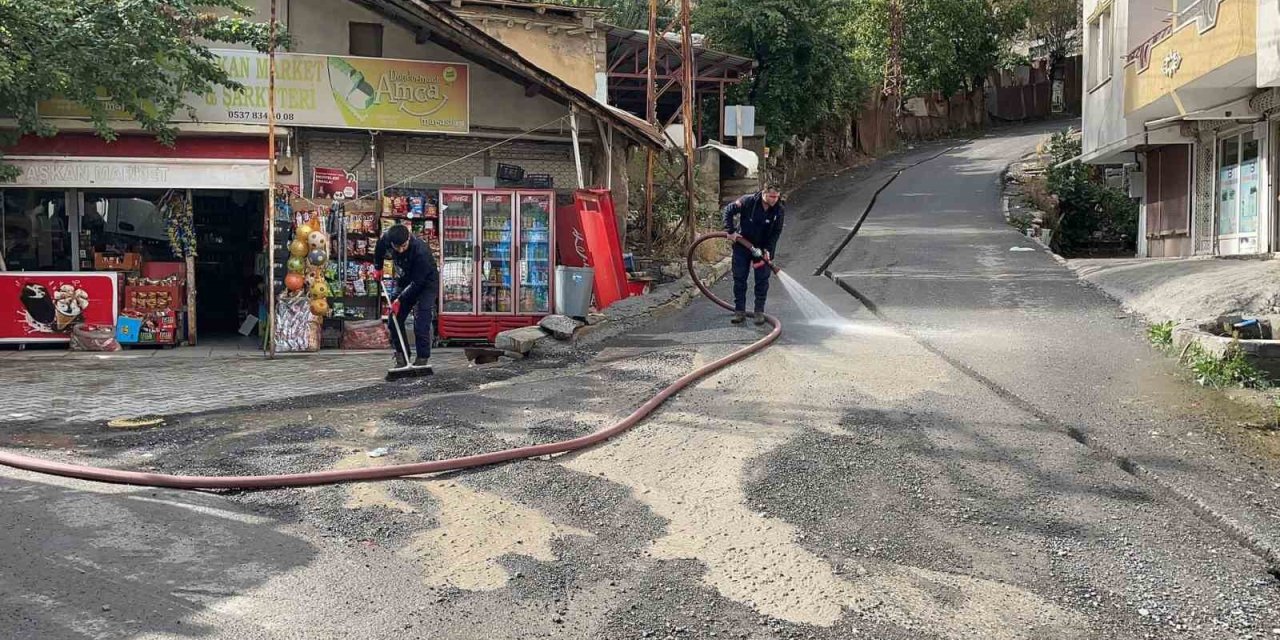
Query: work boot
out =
(420, 362)
(739, 317)
(401, 361)
(759, 318)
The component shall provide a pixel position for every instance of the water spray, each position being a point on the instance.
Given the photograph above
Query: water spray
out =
(118, 476)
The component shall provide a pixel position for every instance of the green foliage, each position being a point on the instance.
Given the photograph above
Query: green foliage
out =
(142, 57)
(1231, 371)
(630, 14)
(1161, 334)
(948, 45)
(803, 76)
(1087, 207)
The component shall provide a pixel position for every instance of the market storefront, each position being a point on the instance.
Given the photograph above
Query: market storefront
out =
(147, 214)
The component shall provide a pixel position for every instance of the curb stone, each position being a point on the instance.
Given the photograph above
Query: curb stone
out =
(1233, 528)
(663, 299)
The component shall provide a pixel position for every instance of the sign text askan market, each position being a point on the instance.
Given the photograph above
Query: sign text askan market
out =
(328, 91)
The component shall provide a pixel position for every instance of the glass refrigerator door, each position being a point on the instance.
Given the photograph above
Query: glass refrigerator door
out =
(535, 253)
(458, 241)
(497, 286)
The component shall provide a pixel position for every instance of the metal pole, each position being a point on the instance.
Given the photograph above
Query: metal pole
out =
(651, 114)
(720, 116)
(686, 97)
(271, 184)
(577, 149)
(190, 261)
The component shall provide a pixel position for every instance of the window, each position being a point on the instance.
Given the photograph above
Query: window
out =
(1101, 54)
(115, 222)
(35, 232)
(1238, 189)
(366, 39)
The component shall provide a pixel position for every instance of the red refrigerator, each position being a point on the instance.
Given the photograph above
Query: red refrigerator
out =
(497, 269)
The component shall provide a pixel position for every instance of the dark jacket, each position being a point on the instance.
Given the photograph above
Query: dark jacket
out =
(416, 271)
(761, 227)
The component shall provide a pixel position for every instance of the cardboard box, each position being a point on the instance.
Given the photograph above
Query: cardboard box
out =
(123, 262)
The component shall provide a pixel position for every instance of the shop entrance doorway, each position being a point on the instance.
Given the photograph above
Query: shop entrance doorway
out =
(228, 227)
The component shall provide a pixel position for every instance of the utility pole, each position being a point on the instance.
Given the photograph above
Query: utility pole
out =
(893, 80)
(651, 114)
(682, 78)
(271, 185)
(688, 91)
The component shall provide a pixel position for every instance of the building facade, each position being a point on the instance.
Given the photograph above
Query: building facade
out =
(1181, 100)
(395, 94)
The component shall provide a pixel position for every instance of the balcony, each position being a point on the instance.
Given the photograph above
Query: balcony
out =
(1206, 54)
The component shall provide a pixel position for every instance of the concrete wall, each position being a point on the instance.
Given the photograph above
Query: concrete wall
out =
(1268, 41)
(1222, 57)
(571, 58)
(1103, 111)
(320, 26)
(496, 102)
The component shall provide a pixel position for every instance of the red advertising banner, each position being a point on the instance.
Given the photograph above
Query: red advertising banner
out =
(571, 240)
(43, 307)
(339, 184)
(596, 214)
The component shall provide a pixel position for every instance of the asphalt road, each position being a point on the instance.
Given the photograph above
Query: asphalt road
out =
(911, 474)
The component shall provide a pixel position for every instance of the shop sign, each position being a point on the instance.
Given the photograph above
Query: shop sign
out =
(139, 173)
(339, 184)
(44, 307)
(325, 91)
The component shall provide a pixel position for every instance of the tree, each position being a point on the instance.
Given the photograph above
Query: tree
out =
(804, 75)
(1054, 24)
(949, 45)
(629, 14)
(142, 57)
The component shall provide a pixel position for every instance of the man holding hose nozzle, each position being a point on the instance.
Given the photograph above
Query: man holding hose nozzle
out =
(417, 281)
(759, 221)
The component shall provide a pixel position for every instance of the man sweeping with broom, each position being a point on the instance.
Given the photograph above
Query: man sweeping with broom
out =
(418, 281)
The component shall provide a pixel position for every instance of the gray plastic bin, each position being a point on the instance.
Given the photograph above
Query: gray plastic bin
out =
(574, 286)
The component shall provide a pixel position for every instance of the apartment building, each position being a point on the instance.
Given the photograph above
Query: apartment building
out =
(1181, 100)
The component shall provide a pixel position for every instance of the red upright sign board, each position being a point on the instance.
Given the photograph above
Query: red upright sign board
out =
(596, 215)
(43, 307)
(571, 240)
(338, 184)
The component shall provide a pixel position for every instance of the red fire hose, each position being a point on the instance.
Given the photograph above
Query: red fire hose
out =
(400, 470)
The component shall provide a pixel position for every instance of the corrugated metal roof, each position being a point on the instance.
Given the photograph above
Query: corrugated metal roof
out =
(727, 60)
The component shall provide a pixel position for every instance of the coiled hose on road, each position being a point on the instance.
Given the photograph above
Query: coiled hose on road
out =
(117, 476)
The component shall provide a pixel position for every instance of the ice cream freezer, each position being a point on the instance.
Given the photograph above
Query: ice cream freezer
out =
(497, 270)
(38, 306)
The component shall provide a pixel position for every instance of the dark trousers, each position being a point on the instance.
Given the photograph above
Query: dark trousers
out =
(741, 269)
(423, 308)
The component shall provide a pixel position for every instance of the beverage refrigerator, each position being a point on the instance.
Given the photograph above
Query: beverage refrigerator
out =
(497, 268)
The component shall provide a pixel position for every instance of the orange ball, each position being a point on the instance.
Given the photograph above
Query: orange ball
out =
(294, 281)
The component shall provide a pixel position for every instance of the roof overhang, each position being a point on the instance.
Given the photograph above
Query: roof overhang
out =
(452, 32)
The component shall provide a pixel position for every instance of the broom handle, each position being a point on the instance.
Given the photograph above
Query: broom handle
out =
(404, 347)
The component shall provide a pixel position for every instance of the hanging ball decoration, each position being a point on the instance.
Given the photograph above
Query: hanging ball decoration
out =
(320, 307)
(293, 282)
(318, 240)
(320, 289)
(298, 248)
(304, 231)
(318, 257)
(296, 264)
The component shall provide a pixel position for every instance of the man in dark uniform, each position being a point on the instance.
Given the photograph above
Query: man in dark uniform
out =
(418, 282)
(759, 220)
